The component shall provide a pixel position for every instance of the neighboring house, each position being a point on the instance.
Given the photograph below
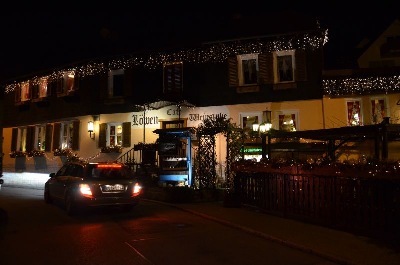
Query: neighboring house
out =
(369, 93)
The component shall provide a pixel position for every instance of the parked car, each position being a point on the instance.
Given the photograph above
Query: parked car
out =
(79, 185)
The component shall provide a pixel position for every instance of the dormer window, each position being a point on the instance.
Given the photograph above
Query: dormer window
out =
(284, 66)
(173, 78)
(68, 84)
(248, 69)
(43, 87)
(25, 92)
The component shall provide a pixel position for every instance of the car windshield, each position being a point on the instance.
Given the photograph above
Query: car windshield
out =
(110, 173)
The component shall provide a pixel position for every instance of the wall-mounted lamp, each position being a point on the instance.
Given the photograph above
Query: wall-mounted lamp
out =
(90, 128)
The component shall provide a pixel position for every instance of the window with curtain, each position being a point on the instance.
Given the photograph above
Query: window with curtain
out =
(287, 122)
(354, 115)
(378, 110)
(284, 66)
(248, 69)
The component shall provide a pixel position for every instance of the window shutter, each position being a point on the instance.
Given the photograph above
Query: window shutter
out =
(233, 72)
(126, 134)
(266, 68)
(14, 137)
(59, 83)
(128, 82)
(30, 138)
(17, 94)
(103, 85)
(102, 135)
(56, 135)
(75, 135)
(49, 135)
(76, 81)
(301, 66)
(173, 78)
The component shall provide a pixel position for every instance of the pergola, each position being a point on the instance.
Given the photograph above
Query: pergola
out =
(334, 138)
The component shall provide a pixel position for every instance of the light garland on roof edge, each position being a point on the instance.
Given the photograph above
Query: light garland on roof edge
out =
(216, 52)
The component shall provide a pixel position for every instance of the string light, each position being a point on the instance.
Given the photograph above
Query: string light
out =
(213, 52)
(361, 86)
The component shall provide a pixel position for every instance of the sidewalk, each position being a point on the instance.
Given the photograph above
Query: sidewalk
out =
(336, 246)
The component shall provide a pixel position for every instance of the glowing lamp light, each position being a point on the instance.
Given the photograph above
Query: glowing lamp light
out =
(90, 129)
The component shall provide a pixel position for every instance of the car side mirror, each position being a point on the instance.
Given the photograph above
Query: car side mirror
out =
(52, 175)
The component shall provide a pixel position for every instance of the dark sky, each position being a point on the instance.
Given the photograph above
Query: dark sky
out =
(38, 38)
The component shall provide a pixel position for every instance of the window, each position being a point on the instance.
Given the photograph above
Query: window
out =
(173, 78)
(25, 92)
(378, 110)
(67, 131)
(40, 143)
(43, 87)
(288, 120)
(247, 119)
(68, 84)
(284, 62)
(115, 83)
(115, 134)
(248, 69)
(354, 115)
(65, 135)
(39, 89)
(173, 124)
(21, 144)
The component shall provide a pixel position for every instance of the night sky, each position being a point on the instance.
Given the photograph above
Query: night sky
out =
(36, 38)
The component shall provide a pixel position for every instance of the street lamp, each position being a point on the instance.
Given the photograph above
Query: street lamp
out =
(262, 130)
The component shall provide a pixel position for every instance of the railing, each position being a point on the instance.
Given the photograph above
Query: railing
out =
(128, 158)
(363, 204)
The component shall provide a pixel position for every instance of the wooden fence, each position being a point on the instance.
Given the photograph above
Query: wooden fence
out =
(361, 204)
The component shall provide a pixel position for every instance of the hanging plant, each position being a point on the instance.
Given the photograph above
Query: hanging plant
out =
(62, 152)
(36, 153)
(112, 149)
(15, 154)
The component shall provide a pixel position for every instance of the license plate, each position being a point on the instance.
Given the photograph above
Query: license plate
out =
(116, 187)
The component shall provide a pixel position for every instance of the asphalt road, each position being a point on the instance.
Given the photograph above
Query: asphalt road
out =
(153, 233)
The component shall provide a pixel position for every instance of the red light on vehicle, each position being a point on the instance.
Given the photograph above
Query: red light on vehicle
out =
(109, 166)
(85, 190)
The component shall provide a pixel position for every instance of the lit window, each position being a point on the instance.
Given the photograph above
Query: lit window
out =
(284, 62)
(354, 115)
(40, 137)
(69, 82)
(42, 87)
(248, 69)
(115, 134)
(288, 120)
(116, 83)
(67, 130)
(25, 93)
(247, 119)
(21, 145)
(378, 107)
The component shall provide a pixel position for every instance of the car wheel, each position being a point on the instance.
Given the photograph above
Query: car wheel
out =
(46, 195)
(70, 205)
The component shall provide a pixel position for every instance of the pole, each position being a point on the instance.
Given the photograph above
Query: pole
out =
(264, 146)
(144, 124)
